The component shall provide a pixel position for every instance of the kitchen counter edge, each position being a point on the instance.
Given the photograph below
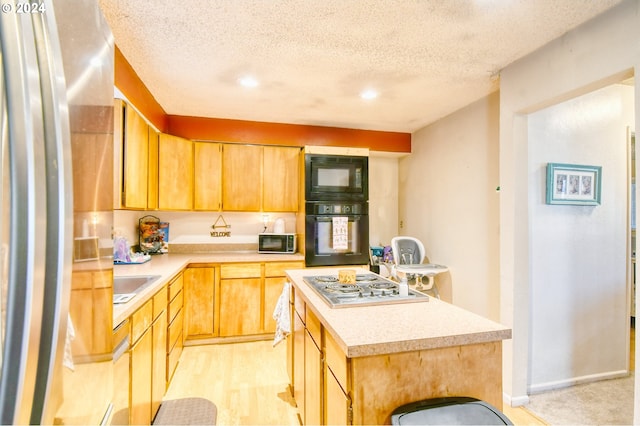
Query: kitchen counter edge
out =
(385, 329)
(169, 265)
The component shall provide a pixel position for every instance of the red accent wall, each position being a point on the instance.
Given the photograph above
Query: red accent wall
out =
(226, 130)
(137, 93)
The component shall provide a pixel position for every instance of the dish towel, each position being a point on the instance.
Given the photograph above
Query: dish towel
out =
(281, 315)
(340, 232)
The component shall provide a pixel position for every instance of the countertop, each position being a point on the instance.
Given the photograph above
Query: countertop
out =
(384, 329)
(168, 265)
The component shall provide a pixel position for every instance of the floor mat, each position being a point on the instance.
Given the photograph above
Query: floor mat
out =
(607, 402)
(186, 411)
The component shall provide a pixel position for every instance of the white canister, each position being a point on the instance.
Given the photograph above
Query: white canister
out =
(278, 226)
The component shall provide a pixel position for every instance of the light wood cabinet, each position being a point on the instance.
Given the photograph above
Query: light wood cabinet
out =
(175, 317)
(159, 352)
(175, 173)
(147, 381)
(240, 299)
(313, 382)
(275, 278)
(135, 158)
(135, 153)
(337, 405)
(281, 179)
(207, 172)
(91, 313)
(199, 301)
(152, 179)
(241, 177)
(319, 371)
(141, 358)
(298, 333)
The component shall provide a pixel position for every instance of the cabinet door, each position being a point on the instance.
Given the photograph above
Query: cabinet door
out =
(199, 298)
(152, 179)
(135, 160)
(336, 404)
(241, 177)
(159, 362)
(207, 173)
(175, 173)
(240, 306)
(281, 179)
(312, 382)
(298, 363)
(141, 361)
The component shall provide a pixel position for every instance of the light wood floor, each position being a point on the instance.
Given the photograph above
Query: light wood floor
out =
(248, 383)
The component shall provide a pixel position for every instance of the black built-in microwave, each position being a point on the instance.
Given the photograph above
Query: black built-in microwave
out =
(336, 177)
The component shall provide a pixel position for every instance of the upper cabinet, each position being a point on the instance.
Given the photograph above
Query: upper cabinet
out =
(135, 159)
(157, 171)
(175, 173)
(207, 176)
(241, 177)
(281, 179)
(132, 140)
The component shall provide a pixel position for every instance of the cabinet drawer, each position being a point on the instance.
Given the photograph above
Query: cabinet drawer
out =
(315, 328)
(120, 332)
(159, 302)
(175, 286)
(276, 269)
(175, 331)
(175, 305)
(240, 270)
(336, 360)
(81, 281)
(103, 279)
(141, 320)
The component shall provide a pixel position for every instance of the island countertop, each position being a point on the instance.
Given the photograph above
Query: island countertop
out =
(385, 329)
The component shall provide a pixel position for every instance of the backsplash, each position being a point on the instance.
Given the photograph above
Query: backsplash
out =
(195, 227)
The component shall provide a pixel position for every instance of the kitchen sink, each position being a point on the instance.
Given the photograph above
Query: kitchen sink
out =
(125, 288)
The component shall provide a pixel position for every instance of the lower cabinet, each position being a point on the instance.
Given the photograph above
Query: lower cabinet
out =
(240, 297)
(159, 350)
(319, 372)
(91, 313)
(141, 365)
(147, 360)
(175, 315)
(232, 300)
(199, 301)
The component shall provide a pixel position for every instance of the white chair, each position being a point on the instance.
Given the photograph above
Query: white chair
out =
(408, 255)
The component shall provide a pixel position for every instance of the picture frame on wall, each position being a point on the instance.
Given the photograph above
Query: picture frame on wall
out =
(573, 184)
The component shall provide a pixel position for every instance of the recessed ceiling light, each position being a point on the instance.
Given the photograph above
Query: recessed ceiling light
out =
(369, 94)
(248, 81)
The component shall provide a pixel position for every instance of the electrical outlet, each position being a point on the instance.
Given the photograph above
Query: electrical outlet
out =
(401, 224)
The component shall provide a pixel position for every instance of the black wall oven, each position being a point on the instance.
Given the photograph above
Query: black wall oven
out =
(337, 233)
(336, 177)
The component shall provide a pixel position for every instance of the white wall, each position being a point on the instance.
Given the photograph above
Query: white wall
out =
(187, 224)
(383, 198)
(579, 316)
(594, 55)
(449, 200)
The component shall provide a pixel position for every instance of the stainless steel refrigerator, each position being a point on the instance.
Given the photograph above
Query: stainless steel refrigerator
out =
(56, 269)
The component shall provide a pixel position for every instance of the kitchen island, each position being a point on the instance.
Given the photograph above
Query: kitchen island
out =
(355, 365)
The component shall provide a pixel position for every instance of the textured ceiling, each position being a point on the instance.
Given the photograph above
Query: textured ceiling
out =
(426, 58)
